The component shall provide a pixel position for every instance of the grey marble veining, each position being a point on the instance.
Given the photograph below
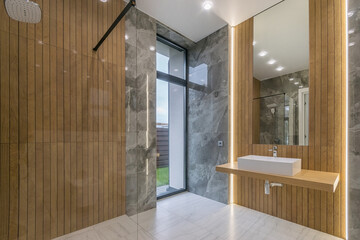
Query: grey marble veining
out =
(354, 118)
(173, 36)
(282, 84)
(140, 76)
(210, 50)
(208, 116)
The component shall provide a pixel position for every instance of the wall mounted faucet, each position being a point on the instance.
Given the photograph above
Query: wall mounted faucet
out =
(269, 185)
(274, 150)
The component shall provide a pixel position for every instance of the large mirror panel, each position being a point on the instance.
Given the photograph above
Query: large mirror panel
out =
(281, 74)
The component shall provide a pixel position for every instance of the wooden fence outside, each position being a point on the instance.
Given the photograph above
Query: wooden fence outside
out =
(162, 147)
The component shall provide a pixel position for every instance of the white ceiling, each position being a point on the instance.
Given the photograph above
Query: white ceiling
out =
(282, 31)
(191, 20)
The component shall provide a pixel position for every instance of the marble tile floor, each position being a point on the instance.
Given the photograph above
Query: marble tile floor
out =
(187, 216)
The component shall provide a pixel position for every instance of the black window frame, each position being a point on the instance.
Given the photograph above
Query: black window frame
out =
(181, 82)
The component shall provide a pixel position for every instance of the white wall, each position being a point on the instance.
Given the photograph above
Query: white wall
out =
(176, 136)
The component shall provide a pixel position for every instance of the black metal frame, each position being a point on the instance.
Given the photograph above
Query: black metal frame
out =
(274, 95)
(132, 3)
(182, 82)
(171, 79)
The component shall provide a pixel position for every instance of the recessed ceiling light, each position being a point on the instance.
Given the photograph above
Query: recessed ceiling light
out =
(279, 68)
(263, 53)
(291, 79)
(296, 83)
(254, 43)
(351, 44)
(152, 48)
(271, 61)
(103, 1)
(207, 5)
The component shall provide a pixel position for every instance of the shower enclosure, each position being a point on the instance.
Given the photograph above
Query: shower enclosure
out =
(277, 116)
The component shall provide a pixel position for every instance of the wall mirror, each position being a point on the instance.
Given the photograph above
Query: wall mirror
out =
(281, 74)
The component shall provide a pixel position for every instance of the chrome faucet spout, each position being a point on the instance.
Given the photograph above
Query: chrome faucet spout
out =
(274, 150)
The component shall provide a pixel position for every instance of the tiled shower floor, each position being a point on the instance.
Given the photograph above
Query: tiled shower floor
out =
(188, 216)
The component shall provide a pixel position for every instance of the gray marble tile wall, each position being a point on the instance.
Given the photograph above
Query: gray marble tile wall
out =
(174, 36)
(208, 115)
(354, 119)
(140, 75)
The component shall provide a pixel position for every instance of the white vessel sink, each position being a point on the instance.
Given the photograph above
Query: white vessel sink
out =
(271, 165)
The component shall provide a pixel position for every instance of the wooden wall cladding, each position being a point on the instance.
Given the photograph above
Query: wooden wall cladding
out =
(327, 138)
(62, 113)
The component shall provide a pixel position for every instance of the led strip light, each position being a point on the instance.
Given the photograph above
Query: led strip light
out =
(232, 36)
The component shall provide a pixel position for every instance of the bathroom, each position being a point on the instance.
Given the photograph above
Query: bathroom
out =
(200, 119)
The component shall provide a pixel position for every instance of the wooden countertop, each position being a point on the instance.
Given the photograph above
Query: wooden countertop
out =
(324, 181)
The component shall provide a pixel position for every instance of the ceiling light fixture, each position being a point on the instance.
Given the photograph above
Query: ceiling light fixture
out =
(207, 5)
(271, 61)
(263, 53)
(279, 68)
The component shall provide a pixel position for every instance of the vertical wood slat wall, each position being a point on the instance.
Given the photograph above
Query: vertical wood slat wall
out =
(62, 113)
(326, 151)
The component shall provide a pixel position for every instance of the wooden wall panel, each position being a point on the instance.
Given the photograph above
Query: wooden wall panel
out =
(326, 151)
(62, 114)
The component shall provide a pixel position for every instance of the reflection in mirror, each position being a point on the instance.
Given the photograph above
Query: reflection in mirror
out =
(281, 74)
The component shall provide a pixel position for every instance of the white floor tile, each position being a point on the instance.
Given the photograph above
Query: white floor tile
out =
(187, 216)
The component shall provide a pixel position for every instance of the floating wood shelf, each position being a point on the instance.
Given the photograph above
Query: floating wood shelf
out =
(324, 181)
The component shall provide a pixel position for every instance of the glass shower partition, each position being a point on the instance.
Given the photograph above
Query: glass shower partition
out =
(140, 54)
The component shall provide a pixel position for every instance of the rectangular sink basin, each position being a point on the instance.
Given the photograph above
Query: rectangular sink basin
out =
(271, 165)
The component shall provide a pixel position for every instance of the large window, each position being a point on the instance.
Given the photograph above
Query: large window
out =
(170, 117)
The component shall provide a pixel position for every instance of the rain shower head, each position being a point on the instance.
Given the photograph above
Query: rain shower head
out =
(23, 10)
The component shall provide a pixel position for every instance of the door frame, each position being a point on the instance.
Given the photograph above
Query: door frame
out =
(302, 121)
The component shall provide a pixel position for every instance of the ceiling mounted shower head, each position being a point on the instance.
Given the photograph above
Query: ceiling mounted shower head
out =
(23, 10)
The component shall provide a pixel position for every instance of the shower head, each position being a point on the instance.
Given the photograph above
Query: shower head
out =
(23, 10)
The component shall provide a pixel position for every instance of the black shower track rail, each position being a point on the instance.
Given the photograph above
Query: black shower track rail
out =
(131, 4)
